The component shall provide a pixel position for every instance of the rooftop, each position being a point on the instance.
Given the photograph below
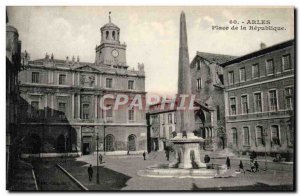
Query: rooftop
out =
(259, 52)
(110, 24)
(215, 58)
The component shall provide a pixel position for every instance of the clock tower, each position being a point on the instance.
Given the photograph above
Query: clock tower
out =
(111, 52)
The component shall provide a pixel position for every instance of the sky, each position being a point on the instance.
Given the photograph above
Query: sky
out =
(151, 34)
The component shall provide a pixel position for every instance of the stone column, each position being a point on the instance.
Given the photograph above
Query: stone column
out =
(73, 105)
(52, 104)
(78, 79)
(73, 79)
(96, 106)
(46, 105)
(78, 106)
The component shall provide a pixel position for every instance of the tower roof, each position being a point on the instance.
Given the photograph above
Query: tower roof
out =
(110, 25)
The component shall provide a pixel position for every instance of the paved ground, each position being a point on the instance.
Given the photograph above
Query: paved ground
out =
(22, 177)
(120, 173)
(49, 177)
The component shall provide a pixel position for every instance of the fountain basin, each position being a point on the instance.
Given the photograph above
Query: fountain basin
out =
(164, 171)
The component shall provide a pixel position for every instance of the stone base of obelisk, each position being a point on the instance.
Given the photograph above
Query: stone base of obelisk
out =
(187, 151)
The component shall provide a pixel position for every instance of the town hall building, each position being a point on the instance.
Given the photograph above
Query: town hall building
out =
(60, 102)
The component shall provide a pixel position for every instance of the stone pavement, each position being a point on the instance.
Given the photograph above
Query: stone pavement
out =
(22, 177)
(120, 173)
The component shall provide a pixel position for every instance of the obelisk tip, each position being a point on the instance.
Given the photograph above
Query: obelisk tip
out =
(182, 14)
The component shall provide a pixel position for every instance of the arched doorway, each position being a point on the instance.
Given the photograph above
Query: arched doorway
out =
(35, 143)
(132, 142)
(109, 143)
(60, 144)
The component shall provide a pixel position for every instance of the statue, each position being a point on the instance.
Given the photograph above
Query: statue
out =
(82, 79)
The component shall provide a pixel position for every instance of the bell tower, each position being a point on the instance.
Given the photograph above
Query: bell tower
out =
(111, 52)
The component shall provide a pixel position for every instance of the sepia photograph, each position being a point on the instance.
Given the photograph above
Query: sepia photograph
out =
(150, 98)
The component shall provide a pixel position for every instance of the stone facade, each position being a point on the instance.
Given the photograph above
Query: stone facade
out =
(208, 86)
(259, 100)
(161, 126)
(61, 102)
(13, 66)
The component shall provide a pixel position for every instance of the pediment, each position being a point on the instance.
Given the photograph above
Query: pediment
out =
(86, 68)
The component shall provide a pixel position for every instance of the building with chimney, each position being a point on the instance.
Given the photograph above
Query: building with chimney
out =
(259, 100)
(61, 102)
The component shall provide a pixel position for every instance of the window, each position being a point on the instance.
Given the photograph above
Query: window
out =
(232, 106)
(114, 35)
(62, 79)
(198, 65)
(132, 142)
(131, 115)
(164, 131)
(199, 84)
(170, 118)
(109, 113)
(242, 74)
(259, 136)
(218, 112)
(275, 134)
(130, 84)
(289, 98)
(35, 77)
(286, 62)
(85, 111)
(273, 100)
(234, 137)
(230, 77)
(290, 135)
(108, 82)
(62, 109)
(255, 70)
(270, 67)
(244, 104)
(109, 143)
(246, 136)
(107, 33)
(35, 109)
(257, 102)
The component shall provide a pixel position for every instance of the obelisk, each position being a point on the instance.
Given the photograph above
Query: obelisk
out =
(187, 145)
(185, 118)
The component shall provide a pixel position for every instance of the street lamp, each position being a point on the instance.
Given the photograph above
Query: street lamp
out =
(97, 138)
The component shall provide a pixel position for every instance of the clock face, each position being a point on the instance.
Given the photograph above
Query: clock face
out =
(114, 53)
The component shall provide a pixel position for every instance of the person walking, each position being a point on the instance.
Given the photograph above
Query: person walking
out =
(241, 166)
(252, 166)
(168, 155)
(144, 155)
(228, 163)
(90, 172)
(256, 165)
(100, 159)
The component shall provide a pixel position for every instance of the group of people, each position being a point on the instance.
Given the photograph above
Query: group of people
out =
(254, 166)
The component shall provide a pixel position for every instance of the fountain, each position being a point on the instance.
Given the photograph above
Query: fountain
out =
(187, 161)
